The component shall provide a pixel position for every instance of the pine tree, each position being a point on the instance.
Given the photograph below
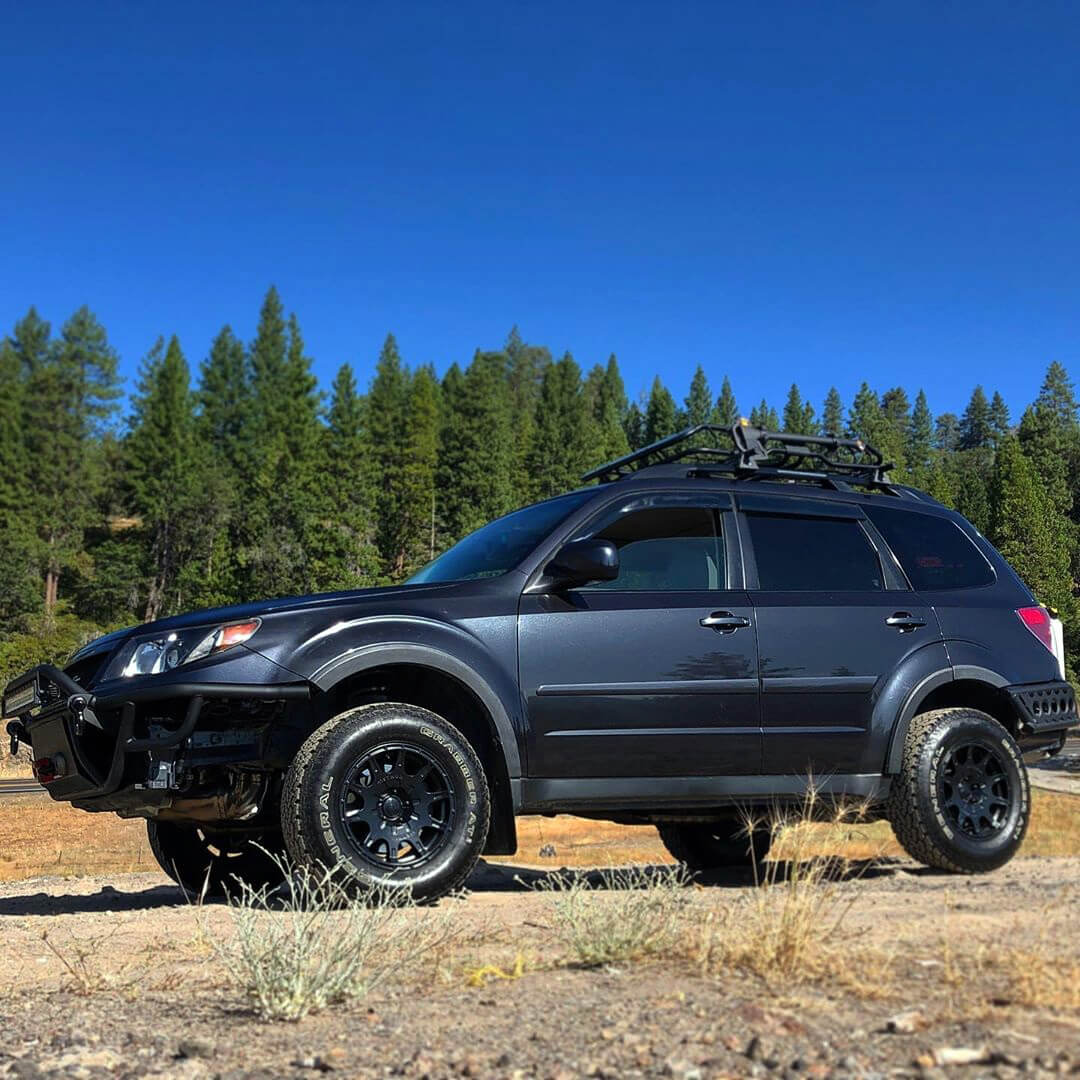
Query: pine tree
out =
(1050, 437)
(559, 454)
(726, 412)
(18, 584)
(972, 479)
(897, 412)
(71, 392)
(1037, 542)
(634, 426)
(865, 418)
(345, 556)
(946, 432)
(224, 399)
(605, 398)
(661, 415)
(452, 515)
(525, 368)
(976, 431)
(832, 413)
(799, 415)
(920, 435)
(483, 483)
(386, 401)
(165, 470)
(699, 403)
(282, 512)
(764, 416)
(416, 524)
(999, 419)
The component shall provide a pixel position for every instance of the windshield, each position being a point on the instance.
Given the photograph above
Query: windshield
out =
(500, 546)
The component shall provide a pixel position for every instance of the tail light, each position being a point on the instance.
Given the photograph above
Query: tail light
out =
(1037, 620)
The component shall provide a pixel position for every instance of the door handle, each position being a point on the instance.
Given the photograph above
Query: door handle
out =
(723, 622)
(904, 621)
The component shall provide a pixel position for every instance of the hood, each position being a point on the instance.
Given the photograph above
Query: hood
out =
(259, 608)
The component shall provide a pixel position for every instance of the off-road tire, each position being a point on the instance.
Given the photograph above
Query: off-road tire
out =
(316, 786)
(714, 845)
(923, 820)
(211, 865)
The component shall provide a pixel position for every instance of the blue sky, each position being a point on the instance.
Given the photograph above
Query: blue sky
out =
(812, 192)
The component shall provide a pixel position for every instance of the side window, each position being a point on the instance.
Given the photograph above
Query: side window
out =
(665, 549)
(813, 554)
(934, 552)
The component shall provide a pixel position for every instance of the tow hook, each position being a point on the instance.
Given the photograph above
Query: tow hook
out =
(77, 706)
(15, 731)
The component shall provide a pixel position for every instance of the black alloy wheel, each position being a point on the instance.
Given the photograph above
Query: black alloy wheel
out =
(974, 790)
(397, 806)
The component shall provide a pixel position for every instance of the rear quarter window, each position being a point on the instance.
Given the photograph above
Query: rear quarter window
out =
(934, 551)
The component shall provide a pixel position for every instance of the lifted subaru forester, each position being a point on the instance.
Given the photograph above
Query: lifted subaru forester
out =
(703, 631)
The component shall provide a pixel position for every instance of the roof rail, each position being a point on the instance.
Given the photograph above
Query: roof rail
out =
(759, 454)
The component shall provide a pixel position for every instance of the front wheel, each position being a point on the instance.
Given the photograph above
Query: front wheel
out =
(390, 795)
(962, 801)
(211, 865)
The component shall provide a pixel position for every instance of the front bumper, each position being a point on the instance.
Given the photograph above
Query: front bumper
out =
(1045, 708)
(83, 742)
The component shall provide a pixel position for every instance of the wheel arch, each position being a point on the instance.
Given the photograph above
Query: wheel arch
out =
(963, 685)
(435, 680)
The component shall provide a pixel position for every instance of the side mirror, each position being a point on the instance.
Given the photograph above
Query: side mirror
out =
(582, 561)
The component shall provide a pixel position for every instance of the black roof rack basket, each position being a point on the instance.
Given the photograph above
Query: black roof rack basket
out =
(756, 453)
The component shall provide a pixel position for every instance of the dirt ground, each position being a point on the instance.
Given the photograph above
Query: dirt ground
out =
(924, 970)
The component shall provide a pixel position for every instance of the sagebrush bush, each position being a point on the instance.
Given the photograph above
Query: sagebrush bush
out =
(315, 942)
(618, 915)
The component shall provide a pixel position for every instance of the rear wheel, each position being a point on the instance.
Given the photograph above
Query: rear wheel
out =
(209, 864)
(389, 794)
(716, 844)
(962, 800)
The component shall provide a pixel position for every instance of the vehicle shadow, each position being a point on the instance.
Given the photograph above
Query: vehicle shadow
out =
(107, 899)
(504, 877)
(488, 877)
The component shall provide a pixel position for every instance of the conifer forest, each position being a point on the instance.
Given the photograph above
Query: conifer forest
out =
(230, 475)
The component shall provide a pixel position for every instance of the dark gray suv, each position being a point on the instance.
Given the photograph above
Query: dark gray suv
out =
(706, 628)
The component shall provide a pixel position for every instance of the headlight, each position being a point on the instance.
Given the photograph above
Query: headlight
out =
(151, 654)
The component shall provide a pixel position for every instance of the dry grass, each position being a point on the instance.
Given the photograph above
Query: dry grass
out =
(84, 962)
(41, 837)
(619, 915)
(785, 930)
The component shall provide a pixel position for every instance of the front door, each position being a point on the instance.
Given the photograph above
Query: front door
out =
(653, 674)
(834, 621)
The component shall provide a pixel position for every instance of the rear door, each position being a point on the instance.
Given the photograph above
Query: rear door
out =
(835, 617)
(653, 674)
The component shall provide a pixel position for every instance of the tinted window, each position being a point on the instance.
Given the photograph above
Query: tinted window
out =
(671, 548)
(933, 551)
(502, 544)
(813, 554)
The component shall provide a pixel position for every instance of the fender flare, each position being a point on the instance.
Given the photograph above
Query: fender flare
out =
(381, 654)
(926, 686)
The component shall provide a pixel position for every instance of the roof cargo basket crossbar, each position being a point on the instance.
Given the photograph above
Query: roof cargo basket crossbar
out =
(758, 454)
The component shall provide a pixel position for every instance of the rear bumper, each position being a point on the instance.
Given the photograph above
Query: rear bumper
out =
(1045, 708)
(88, 740)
